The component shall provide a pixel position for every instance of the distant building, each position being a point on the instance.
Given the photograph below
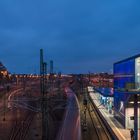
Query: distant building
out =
(102, 79)
(3, 69)
(126, 84)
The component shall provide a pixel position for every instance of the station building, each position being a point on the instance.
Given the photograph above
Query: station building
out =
(126, 85)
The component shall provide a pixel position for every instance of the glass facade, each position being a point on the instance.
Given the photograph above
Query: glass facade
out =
(137, 73)
(126, 84)
(124, 79)
(124, 74)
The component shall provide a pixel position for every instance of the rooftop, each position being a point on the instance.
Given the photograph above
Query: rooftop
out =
(129, 58)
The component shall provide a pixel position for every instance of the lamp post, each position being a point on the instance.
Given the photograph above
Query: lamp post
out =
(4, 107)
(135, 117)
(4, 98)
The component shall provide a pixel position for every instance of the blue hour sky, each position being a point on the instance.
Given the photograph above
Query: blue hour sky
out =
(79, 35)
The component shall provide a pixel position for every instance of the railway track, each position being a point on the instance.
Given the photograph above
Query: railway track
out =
(101, 130)
(93, 127)
(20, 129)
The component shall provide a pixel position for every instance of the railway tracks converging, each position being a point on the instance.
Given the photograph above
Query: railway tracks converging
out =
(101, 130)
(92, 124)
(20, 128)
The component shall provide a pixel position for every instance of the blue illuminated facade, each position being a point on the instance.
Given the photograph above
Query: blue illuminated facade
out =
(124, 73)
(126, 79)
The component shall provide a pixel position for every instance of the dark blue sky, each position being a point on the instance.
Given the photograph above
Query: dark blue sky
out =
(79, 35)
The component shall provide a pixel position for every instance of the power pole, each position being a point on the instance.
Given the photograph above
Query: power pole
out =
(59, 83)
(84, 104)
(45, 74)
(43, 70)
(89, 78)
(51, 75)
(135, 117)
(51, 67)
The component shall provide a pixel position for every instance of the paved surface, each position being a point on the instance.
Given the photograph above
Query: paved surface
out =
(121, 133)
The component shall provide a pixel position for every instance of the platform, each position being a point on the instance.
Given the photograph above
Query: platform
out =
(118, 129)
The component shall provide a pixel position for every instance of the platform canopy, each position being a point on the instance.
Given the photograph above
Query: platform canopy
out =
(106, 92)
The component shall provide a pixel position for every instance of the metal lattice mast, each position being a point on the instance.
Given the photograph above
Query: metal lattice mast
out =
(51, 75)
(43, 70)
(51, 67)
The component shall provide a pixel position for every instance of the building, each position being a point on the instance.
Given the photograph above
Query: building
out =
(3, 70)
(102, 80)
(126, 86)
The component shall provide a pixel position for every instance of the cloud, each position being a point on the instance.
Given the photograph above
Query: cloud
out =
(89, 35)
